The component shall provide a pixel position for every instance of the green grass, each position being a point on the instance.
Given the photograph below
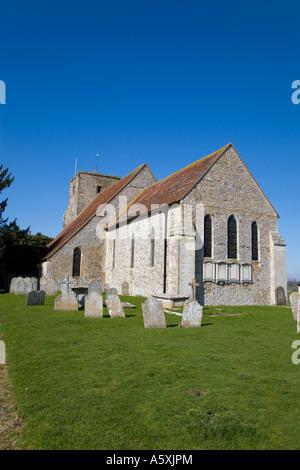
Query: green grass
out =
(110, 384)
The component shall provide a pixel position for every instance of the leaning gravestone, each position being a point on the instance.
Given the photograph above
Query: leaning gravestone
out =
(114, 306)
(67, 301)
(112, 291)
(125, 288)
(192, 314)
(36, 298)
(153, 313)
(93, 305)
(95, 286)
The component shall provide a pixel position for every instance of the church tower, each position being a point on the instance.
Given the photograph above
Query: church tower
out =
(84, 186)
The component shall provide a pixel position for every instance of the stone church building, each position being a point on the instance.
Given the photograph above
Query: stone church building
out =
(209, 221)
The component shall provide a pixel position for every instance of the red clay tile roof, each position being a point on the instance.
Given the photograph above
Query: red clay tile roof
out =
(87, 214)
(172, 188)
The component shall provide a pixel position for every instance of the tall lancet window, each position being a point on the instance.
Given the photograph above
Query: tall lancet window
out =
(152, 248)
(232, 238)
(254, 241)
(207, 237)
(132, 252)
(76, 261)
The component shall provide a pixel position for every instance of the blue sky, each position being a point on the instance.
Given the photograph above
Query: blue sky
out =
(163, 82)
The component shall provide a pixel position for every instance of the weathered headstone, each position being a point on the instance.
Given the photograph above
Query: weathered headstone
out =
(67, 282)
(49, 285)
(34, 283)
(93, 305)
(106, 288)
(294, 299)
(153, 313)
(114, 306)
(36, 298)
(112, 291)
(13, 283)
(280, 296)
(66, 301)
(125, 288)
(20, 287)
(28, 285)
(127, 305)
(2, 353)
(192, 314)
(95, 286)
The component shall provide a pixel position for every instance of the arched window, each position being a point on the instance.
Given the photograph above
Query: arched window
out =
(207, 237)
(254, 241)
(232, 238)
(76, 262)
(132, 252)
(152, 248)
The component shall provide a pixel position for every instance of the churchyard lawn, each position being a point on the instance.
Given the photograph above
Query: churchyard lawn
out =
(85, 383)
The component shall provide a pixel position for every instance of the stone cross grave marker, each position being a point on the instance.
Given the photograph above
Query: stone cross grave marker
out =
(193, 285)
(36, 298)
(66, 282)
(114, 306)
(153, 313)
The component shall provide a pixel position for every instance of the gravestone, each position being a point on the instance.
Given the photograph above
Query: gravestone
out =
(112, 291)
(28, 285)
(67, 301)
(114, 306)
(125, 288)
(67, 282)
(153, 313)
(34, 283)
(36, 298)
(93, 305)
(49, 285)
(20, 287)
(2, 353)
(280, 296)
(127, 305)
(95, 286)
(294, 299)
(106, 288)
(192, 314)
(13, 283)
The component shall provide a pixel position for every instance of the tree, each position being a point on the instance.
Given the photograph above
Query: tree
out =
(20, 252)
(5, 181)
